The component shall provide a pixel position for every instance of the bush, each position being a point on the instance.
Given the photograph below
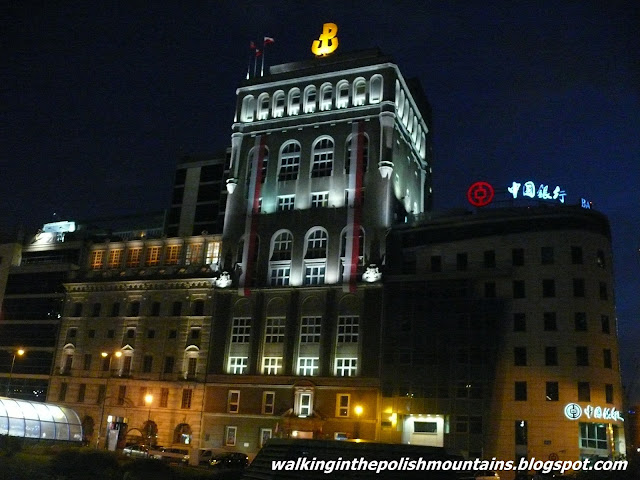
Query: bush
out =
(9, 445)
(80, 464)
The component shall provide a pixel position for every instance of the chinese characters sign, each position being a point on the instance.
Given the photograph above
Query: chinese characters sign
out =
(542, 192)
(573, 411)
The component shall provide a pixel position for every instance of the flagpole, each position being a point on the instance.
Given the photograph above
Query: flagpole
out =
(264, 50)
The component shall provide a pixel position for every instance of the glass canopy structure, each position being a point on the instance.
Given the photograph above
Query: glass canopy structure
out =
(20, 418)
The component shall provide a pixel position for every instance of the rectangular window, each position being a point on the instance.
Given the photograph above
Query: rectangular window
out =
(81, 392)
(551, 356)
(151, 333)
(233, 401)
(600, 260)
(111, 333)
(102, 391)
(213, 253)
(172, 334)
(517, 257)
(173, 254)
(169, 363)
(552, 392)
(308, 366)
(319, 199)
(520, 391)
(550, 321)
(142, 396)
(490, 290)
(462, 262)
(286, 202)
(342, 404)
(147, 362)
(608, 393)
(314, 274)
(115, 258)
(230, 436)
(238, 365)
(604, 294)
(490, 259)
(164, 397)
(348, 329)
(62, 393)
(584, 392)
(97, 258)
(153, 256)
(436, 263)
(91, 333)
(576, 255)
(346, 367)
(606, 356)
(274, 330)
(580, 321)
(176, 309)
(240, 330)
(578, 287)
(604, 323)
(519, 322)
(97, 307)
(310, 329)
(122, 394)
(280, 276)
(520, 356)
(268, 403)
(548, 288)
(546, 255)
(582, 356)
(593, 435)
(192, 366)
(265, 435)
(187, 395)
(272, 365)
(115, 309)
(126, 365)
(194, 250)
(133, 257)
(521, 437)
(305, 407)
(87, 361)
(518, 289)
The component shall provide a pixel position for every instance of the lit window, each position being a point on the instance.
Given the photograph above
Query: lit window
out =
(594, 435)
(375, 89)
(316, 246)
(250, 162)
(173, 254)
(348, 328)
(303, 403)
(310, 328)
(343, 401)
(279, 276)
(153, 256)
(322, 158)
(294, 101)
(314, 274)
(272, 365)
(133, 257)
(97, 257)
(268, 403)
(213, 253)
(342, 94)
(115, 258)
(286, 202)
(274, 330)
(289, 161)
(308, 366)
(263, 106)
(240, 330)
(238, 365)
(346, 367)
(230, 436)
(348, 150)
(319, 199)
(310, 99)
(278, 104)
(248, 108)
(233, 401)
(194, 251)
(326, 97)
(359, 91)
(187, 395)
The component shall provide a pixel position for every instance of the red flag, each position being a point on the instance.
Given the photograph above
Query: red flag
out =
(252, 45)
(258, 52)
(268, 41)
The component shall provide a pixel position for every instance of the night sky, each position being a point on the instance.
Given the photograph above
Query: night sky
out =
(99, 99)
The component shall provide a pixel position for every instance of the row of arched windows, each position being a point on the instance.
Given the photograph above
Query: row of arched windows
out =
(312, 99)
(322, 158)
(411, 121)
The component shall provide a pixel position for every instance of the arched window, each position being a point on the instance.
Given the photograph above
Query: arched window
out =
(126, 361)
(359, 91)
(248, 108)
(315, 256)
(375, 89)
(277, 109)
(326, 97)
(322, 158)
(66, 363)
(293, 104)
(190, 362)
(310, 99)
(263, 106)
(342, 94)
(265, 164)
(365, 153)
(280, 259)
(182, 433)
(289, 161)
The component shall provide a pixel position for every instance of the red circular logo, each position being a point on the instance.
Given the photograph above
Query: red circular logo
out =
(480, 194)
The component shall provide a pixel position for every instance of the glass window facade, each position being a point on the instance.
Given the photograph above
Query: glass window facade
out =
(20, 418)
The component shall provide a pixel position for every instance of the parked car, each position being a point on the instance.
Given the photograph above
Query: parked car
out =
(229, 460)
(139, 451)
(204, 456)
(171, 455)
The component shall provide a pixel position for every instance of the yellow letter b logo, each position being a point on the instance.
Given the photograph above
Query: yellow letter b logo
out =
(328, 41)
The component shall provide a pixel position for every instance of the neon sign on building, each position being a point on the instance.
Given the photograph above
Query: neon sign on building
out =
(573, 411)
(542, 192)
(328, 41)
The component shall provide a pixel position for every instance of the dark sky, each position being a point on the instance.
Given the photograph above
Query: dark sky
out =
(98, 99)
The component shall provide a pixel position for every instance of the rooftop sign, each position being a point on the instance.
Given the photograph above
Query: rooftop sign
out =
(328, 41)
(573, 411)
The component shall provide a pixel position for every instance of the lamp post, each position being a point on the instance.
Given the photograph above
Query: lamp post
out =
(148, 398)
(19, 352)
(104, 356)
(358, 411)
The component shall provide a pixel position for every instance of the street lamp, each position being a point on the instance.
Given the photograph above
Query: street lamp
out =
(358, 410)
(105, 355)
(148, 398)
(19, 352)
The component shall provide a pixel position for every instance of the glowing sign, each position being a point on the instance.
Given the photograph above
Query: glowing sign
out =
(328, 41)
(586, 203)
(480, 194)
(573, 411)
(529, 190)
